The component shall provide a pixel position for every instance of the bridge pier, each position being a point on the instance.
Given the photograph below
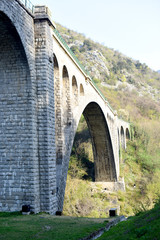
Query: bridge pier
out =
(46, 110)
(19, 174)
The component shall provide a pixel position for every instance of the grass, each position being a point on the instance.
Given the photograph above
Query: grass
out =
(15, 226)
(144, 226)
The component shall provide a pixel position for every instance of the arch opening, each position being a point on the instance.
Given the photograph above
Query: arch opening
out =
(81, 90)
(105, 170)
(58, 120)
(57, 98)
(127, 134)
(96, 132)
(119, 144)
(74, 91)
(58, 117)
(92, 154)
(66, 97)
(16, 115)
(102, 164)
(81, 164)
(122, 138)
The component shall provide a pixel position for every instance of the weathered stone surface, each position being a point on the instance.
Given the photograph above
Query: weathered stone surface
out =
(43, 93)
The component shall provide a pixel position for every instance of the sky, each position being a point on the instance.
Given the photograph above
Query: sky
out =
(130, 26)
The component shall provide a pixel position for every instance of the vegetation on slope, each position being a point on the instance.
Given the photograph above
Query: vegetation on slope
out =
(139, 168)
(105, 65)
(131, 88)
(144, 226)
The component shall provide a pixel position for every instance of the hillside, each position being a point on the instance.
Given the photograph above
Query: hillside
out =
(143, 226)
(133, 89)
(110, 68)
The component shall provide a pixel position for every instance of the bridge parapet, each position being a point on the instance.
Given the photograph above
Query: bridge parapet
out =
(28, 4)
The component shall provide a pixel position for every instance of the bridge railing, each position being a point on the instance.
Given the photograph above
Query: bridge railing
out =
(28, 5)
(80, 65)
(69, 50)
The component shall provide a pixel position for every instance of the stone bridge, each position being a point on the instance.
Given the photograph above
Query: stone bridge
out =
(44, 90)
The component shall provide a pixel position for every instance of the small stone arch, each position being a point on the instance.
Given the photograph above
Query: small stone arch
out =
(119, 144)
(127, 134)
(57, 91)
(56, 81)
(56, 65)
(74, 91)
(122, 137)
(58, 118)
(81, 90)
(65, 72)
(66, 96)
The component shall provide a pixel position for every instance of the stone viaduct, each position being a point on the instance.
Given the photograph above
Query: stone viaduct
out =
(44, 90)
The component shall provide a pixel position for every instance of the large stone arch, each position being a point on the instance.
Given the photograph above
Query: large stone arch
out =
(105, 168)
(16, 125)
(23, 22)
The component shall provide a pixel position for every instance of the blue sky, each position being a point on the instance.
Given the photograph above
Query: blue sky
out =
(130, 26)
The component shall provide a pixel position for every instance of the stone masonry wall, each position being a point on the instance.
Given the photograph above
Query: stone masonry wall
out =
(46, 115)
(18, 135)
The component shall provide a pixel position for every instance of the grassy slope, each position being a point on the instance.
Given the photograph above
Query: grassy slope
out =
(42, 226)
(144, 226)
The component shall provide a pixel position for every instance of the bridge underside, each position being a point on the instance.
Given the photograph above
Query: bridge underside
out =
(101, 142)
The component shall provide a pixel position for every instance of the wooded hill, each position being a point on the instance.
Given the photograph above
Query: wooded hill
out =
(133, 89)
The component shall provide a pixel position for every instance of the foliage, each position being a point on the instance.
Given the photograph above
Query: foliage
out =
(140, 165)
(86, 199)
(143, 226)
(116, 64)
(76, 168)
(81, 162)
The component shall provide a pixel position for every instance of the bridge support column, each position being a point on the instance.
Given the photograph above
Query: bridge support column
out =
(19, 171)
(46, 114)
